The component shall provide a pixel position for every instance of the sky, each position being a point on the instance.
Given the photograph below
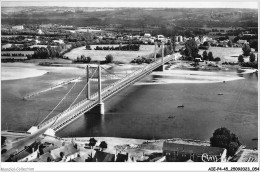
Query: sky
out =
(135, 3)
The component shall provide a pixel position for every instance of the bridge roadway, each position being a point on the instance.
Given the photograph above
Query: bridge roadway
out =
(72, 113)
(69, 115)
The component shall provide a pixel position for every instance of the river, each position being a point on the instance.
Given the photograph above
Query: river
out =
(145, 110)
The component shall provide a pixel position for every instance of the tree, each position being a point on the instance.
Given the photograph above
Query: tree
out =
(229, 43)
(191, 48)
(48, 159)
(61, 154)
(88, 47)
(224, 139)
(246, 50)
(217, 59)
(103, 145)
(210, 56)
(88, 59)
(252, 57)
(109, 58)
(254, 44)
(240, 58)
(3, 139)
(206, 43)
(92, 142)
(205, 55)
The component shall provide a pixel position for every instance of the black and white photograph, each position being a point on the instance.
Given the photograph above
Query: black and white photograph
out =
(136, 82)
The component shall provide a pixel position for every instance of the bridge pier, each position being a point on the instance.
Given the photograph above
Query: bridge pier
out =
(101, 107)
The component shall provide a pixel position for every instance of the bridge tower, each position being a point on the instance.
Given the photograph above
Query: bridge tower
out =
(162, 56)
(88, 82)
(161, 68)
(155, 47)
(101, 104)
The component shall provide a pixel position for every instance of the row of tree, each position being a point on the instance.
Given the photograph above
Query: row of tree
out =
(129, 47)
(168, 49)
(82, 59)
(52, 52)
(251, 58)
(19, 48)
(209, 56)
(12, 54)
(140, 60)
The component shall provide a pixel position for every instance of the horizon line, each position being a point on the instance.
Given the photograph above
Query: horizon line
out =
(136, 7)
(135, 4)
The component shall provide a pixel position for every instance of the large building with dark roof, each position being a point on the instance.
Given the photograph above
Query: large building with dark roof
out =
(182, 153)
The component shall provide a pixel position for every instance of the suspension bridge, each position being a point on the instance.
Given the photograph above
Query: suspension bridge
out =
(100, 92)
(95, 92)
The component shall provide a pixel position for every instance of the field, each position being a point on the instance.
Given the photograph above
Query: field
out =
(121, 56)
(226, 54)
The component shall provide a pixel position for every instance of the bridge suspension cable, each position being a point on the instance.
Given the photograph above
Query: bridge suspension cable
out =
(113, 73)
(77, 95)
(58, 103)
(82, 89)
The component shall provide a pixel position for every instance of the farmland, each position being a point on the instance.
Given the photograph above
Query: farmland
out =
(120, 56)
(226, 54)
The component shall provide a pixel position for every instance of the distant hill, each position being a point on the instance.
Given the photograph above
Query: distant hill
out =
(131, 17)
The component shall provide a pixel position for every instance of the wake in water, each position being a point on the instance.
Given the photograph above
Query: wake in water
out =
(189, 76)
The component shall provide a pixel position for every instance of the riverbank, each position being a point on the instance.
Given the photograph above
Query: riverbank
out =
(137, 149)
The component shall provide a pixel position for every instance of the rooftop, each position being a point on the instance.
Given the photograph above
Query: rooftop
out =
(246, 155)
(103, 157)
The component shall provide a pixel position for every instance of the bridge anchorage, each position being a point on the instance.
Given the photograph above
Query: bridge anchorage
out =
(101, 84)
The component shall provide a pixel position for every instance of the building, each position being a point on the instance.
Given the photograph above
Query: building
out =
(161, 38)
(60, 41)
(183, 152)
(242, 41)
(18, 27)
(103, 157)
(246, 155)
(147, 35)
(40, 32)
(27, 154)
(180, 39)
(121, 157)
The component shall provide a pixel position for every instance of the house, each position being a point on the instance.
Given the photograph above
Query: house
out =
(242, 41)
(147, 35)
(69, 151)
(40, 32)
(18, 27)
(103, 157)
(121, 157)
(28, 154)
(175, 152)
(246, 155)
(60, 41)
(161, 38)
(198, 60)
